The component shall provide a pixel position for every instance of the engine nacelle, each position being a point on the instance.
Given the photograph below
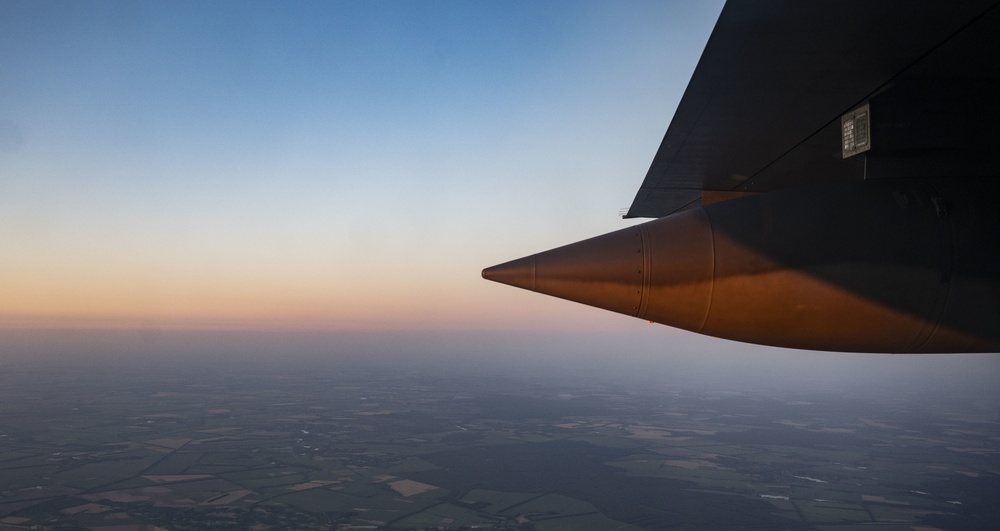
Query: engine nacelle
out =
(877, 266)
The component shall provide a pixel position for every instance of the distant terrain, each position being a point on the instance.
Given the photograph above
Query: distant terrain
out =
(212, 445)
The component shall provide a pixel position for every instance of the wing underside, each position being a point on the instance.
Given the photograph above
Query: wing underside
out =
(764, 108)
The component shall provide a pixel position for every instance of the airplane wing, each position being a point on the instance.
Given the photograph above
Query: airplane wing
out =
(764, 106)
(829, 182)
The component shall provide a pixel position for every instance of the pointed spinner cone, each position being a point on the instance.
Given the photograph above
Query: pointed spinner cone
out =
(661, 271)
(605, 271)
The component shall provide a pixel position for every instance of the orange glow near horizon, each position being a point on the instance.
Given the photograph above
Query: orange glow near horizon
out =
(292, 300)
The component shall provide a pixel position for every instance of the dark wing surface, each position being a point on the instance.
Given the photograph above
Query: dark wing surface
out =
(763, 109)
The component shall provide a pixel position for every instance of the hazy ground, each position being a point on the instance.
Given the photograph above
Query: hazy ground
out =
(129, 430)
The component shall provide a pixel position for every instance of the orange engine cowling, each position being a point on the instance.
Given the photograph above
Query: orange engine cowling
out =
(877, 266)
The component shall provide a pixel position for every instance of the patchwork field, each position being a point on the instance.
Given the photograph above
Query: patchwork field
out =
(248, 448)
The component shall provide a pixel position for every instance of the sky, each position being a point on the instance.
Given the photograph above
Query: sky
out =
(337, 167)
(320, 165)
